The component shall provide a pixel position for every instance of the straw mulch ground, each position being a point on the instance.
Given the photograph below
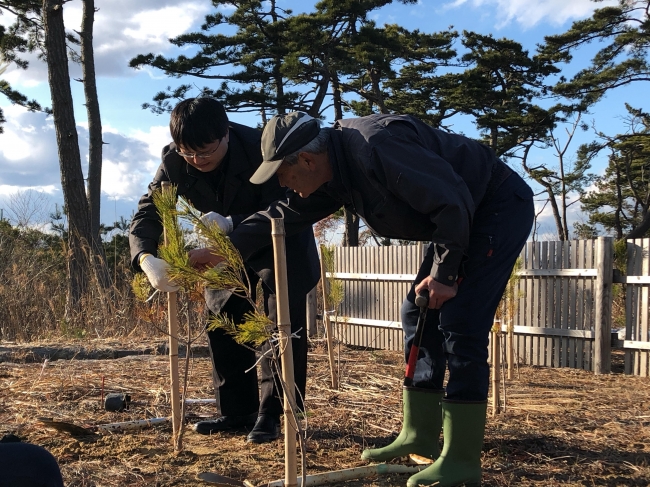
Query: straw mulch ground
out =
(562, 427)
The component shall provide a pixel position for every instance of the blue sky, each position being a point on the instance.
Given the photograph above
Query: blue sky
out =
(123, 29)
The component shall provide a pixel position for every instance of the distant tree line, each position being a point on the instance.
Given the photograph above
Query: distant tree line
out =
(336, 58)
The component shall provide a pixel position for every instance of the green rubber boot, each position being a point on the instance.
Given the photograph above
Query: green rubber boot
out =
(420, 428)
(463, 425)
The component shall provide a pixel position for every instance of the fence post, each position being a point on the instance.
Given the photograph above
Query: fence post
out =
(603, 302)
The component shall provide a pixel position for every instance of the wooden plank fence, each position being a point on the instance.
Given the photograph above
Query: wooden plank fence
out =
(375, 282)
(562, 304)
(637, 281)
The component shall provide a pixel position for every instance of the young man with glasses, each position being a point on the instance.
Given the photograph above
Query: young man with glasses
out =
(210, 162)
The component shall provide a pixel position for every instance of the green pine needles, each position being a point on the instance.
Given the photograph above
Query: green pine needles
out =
(230, 274)
(335, 288)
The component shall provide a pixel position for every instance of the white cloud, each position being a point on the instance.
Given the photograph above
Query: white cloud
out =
(155, 138)
(529, 14)
(7, 190)
(128, 166)
(122, 30)
(29, 157)
(156, 26)
(16, 150)
(19, 77)
(119, 181)
(28, 154)
(154, 73)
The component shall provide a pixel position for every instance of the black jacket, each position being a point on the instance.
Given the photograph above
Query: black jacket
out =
(235, 196)
(406, 180)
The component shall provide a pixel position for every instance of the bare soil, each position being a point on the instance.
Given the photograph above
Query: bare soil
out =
(561, 426)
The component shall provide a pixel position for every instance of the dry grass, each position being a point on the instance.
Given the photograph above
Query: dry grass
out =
(562, 427)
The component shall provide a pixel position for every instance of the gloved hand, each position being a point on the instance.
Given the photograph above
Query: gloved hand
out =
(224, 222)
(156, 271)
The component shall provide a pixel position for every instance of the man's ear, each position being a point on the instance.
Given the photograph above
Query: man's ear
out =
(308, 160)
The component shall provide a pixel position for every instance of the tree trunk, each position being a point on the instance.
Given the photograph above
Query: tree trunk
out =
(277, 71)
(321, 93)
(351, 236)
(375, 77)
(619, 206)
(336, 95)
(94, 186)
(72, 181)
(556, 212)
(642, 229)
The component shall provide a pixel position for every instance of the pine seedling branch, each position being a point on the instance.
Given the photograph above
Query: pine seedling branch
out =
(228, 275)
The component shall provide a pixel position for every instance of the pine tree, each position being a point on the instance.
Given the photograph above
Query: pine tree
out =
(625, 31)
(18, 38)
(621, 202)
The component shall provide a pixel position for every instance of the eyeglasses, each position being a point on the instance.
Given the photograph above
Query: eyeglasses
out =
(202, 155)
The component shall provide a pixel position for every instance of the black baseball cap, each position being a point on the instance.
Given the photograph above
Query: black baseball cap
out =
(282, 136)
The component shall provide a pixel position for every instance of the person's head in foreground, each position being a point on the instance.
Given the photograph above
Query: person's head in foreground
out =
(199, 128)
(295, 147)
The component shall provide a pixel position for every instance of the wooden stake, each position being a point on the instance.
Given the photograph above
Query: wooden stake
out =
(326, 320)
(511, 351)
(286, 352)
(172, 317)
(496, 352)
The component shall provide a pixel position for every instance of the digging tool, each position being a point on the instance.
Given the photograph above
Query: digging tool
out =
(422, 302)
(76, 430)
(221, 481)
(65, 427)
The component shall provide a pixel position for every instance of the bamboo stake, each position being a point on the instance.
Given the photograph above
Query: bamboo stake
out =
(286, 351)
(172, 317)
(496, 351)
(511, 349)
(504, 363)
(326, 321)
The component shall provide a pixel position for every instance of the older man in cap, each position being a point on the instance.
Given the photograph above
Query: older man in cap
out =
(410, 181)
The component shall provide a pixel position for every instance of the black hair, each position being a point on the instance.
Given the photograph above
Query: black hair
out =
(196, 122)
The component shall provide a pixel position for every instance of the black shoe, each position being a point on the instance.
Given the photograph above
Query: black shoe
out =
(267, 428)
(225, 423)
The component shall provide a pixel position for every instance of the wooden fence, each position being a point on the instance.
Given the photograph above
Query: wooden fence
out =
(375, 282)
(562, 309)
(637, 303)
(561, 312)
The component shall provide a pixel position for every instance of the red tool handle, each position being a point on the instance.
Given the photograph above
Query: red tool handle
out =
(422, 301)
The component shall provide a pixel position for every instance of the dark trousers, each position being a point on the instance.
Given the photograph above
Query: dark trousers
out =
(457, 335)
(236, 390)
(26, 465)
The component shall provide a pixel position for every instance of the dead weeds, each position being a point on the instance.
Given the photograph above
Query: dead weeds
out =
(561, 427)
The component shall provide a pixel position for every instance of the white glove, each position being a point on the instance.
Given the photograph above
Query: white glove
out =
(224, 222)
(156, 271)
